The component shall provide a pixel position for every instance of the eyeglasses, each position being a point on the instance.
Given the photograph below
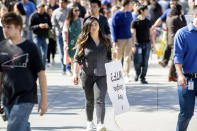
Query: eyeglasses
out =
(76, 10)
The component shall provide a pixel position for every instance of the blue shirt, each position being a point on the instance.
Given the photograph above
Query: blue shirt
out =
(185, 48)
(134, 15)
(29, 8)
(163, 17)
(121, 25)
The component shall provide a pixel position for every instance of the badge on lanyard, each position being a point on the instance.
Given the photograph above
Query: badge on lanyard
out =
(139, 50)
(191, 85)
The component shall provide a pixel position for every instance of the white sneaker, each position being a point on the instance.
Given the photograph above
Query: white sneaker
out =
(101, 127)
(69, 73)
(90, 126)
(127, 79)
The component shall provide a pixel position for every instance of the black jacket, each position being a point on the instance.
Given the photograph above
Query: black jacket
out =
(95, 58)
(37, 19)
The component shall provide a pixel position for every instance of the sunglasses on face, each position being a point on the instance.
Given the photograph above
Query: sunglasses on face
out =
(76, 10)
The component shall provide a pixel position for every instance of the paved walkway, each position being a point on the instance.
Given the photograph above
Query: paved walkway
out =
(153, 107)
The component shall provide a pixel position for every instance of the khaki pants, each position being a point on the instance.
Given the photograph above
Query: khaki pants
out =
(124, 48)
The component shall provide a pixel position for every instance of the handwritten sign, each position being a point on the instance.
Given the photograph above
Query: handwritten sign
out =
(116, 87)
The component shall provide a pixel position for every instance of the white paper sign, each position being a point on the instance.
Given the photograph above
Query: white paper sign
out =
(116, 87)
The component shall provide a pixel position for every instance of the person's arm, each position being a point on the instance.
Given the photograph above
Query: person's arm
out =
(43, 106)
(49, 22)
(65, 34)
(34, 25)
(179, 50)
(181, 78)
(183, 20)
(133, 49)
(157, 23)
(54, 21)
(113, 32)
(76, 73)
(0, 87)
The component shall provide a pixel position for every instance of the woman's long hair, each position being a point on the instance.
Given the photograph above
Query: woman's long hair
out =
(85, 35)
(176, 10)
(20, 8)
(70, 16)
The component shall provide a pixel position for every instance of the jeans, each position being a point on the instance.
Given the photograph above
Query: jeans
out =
(187, 104)
(18, 116)
(42, 44)
(141, 58)
(60, 46)
(94, 92)
(30, 33)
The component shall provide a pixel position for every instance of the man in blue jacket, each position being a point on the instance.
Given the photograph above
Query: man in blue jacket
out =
(185, 60)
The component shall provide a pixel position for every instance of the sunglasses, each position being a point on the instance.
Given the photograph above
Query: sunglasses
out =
(76, 10)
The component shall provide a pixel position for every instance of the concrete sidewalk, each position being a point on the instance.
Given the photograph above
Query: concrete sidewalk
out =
(153, 107)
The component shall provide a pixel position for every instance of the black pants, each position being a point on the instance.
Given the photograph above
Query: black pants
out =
(167, 54)
(95, 88)
(51, 49)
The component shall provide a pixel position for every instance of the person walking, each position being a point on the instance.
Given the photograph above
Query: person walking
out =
(175, 21)
(185, 61)
(71, 30)
(58, 18)
(19, 9)
(93, 51)
(40, 23)
(20, 66)
(141, 31)
(122, 37)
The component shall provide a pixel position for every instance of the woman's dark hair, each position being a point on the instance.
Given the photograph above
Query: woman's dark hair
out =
(176, 10)
(11, 6)
(141, 8)
(85, 35)
(20, 8)
(70, 16)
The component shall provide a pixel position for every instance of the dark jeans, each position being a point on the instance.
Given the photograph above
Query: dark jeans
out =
(18, 116)
(167, 54)
(95, 88)
(141, 58)
(187, 104)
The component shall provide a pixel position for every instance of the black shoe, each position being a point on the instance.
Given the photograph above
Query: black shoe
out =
(136, 78)
(144, 81)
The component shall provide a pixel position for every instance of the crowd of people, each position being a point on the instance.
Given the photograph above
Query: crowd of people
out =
(88, 34)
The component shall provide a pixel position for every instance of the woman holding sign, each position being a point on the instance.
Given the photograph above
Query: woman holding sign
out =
(93, 51)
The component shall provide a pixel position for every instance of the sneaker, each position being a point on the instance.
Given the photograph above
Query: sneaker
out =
(90, 126)
(69, 73)
(143, 81)
(163, 64)
(101, 127)
(126, 79)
